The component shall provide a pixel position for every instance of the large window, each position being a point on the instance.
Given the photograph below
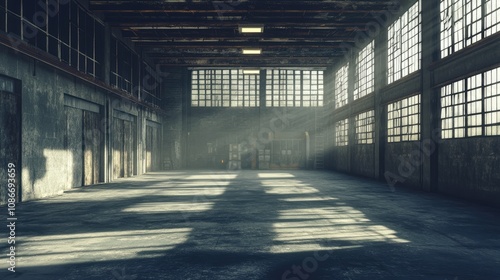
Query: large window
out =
(464, 22)
(224, 88)
(403, 120)
(294, 88)
(341, 86)
(405, 44)
(365, 76)
(491, 97)
(121, 61)
(342, 133)
(365, 127)
(471, 107)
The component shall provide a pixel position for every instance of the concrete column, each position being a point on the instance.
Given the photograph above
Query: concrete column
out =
(110, 116)
(107, 54)
(430, 97)
(186, 114)
(107, 149)
(380, 111)
(351, 75)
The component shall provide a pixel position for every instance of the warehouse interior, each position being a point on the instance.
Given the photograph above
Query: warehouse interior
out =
(348, 108)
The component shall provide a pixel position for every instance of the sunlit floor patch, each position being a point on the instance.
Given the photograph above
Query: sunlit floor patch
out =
(287, 187)
(308, 199)
(214, 176)
(169, 207)
(101, 246)
(302, 229)
(275, 175)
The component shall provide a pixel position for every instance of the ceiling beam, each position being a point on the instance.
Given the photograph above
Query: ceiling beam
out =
(246, 63)
(224, 7)
(218, 53)
(338, 2)
(228, 45)
(209, 39)
(168, 23)
(230, 57)
(233, 34)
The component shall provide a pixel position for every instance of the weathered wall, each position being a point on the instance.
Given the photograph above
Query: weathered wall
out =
(66, 137)
(44, 157)
(470, 168)
(400, 162)
(363, 160)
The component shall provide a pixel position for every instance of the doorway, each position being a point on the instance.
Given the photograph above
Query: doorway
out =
(10, 136)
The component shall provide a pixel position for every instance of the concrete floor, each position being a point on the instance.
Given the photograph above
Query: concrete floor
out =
(253, 225)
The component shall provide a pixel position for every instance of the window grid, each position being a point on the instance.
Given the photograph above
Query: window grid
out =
(464, 22)
(492, 102)
(474, 106)
(471, 107)
(405, 44)
(403, 121)
(224, 88)
(283, 88)
(342, 133)
(312, 88)
(492, 17)
(294, 88)
(73, 43)
(365, 75)
(341, 86)
(453, 110)
(365, 127)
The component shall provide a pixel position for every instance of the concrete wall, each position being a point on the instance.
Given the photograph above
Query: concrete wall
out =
(54, 144)
(398, 161)
(469, 168)
(341, 159)
(364, 158)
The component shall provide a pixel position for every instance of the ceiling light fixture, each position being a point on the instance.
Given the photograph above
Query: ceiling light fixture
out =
(255, 28)
(252, 51)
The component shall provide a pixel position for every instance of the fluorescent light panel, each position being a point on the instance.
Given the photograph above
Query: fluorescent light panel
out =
(251, 29)
(252, 51)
